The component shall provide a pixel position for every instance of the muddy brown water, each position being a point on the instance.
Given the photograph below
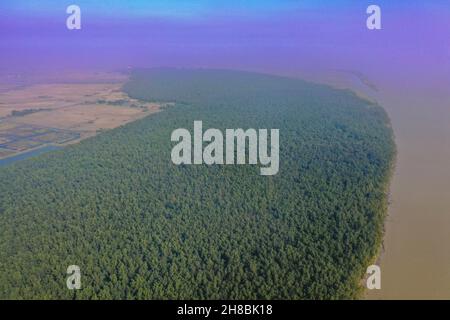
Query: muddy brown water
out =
(415, 258)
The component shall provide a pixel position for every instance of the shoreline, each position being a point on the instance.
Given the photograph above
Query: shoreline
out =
(345, 84)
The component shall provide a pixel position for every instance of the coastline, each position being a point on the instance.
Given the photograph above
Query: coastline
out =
(363, 91)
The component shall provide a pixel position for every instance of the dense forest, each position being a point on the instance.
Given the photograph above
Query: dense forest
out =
(141, 227)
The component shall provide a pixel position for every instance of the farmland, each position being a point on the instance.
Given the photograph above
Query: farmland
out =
(32, 116)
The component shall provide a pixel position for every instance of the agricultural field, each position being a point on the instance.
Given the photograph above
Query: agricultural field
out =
(35, 115)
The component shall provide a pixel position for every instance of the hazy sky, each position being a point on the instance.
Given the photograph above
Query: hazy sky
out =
(274, 35)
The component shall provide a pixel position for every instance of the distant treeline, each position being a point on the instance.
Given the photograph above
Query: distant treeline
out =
(24, 112)
(140, 227)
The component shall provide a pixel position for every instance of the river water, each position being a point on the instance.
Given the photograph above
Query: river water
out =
(28, 154)
(415, 258)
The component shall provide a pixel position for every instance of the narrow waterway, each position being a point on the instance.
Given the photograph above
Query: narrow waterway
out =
(26, 155)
